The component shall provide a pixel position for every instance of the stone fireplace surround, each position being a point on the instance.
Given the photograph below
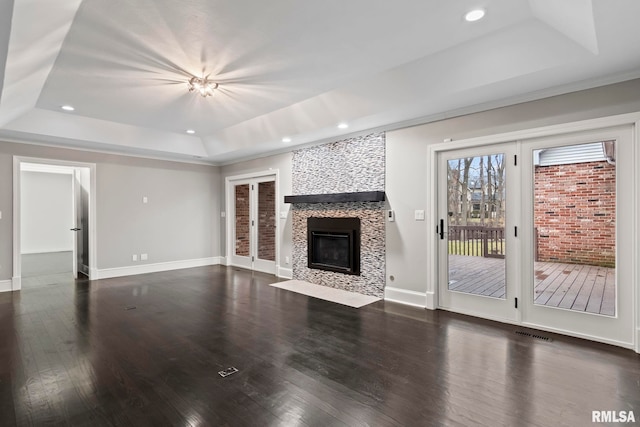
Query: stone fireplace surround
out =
(354, 165)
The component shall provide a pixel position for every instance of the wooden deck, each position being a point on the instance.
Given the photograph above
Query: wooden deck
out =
(576, 287)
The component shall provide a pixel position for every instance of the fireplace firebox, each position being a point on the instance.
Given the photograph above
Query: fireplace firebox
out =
(334, 244)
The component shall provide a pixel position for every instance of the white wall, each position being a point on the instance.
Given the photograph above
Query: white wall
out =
(176, 223)
(181, 221)
(47, 212)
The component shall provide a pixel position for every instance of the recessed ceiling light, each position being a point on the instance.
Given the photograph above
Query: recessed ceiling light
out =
(191, 131)
(67, 108)
(474, 15)
(286, 139)
(343, 126)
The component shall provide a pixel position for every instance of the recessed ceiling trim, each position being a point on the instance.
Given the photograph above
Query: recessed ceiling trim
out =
(573, 18)
(26, 74)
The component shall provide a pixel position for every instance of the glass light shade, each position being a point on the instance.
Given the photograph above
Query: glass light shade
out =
(203, 86)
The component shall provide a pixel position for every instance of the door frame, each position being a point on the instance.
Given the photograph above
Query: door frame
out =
(433, 150)
(230, 182)
(16, 282)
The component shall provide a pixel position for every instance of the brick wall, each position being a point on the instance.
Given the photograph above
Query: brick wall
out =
(575, 213)
(267, 220)
(242, 220)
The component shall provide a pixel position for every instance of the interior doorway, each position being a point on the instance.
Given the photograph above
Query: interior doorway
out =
(54, 212)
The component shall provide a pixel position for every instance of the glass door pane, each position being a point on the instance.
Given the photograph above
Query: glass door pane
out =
(476, 210)
(575, 227)
(242, 246)
(267, 220)
(579, 266)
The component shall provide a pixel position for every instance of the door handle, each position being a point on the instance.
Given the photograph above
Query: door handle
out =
(442, 229)
(75, 229)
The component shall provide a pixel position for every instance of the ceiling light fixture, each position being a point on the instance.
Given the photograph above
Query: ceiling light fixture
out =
(343, 126)
(203, 86)
(286, 139)
(67, 108)
(191, 131)
(474, 15)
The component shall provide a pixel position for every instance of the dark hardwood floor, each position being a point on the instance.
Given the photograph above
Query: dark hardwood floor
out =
(146, 351)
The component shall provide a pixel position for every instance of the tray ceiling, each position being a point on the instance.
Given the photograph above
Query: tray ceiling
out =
(286, 68)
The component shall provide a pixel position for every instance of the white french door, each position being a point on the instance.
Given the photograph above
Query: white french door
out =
(253, 223)
(544, 239)
(478, 210)
(577, 274)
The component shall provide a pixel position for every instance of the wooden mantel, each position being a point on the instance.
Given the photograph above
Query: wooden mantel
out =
(362, 196)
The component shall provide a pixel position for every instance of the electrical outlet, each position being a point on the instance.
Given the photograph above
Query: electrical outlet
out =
(134, 257)
(286, 260)
(144, 257)
(145, 199)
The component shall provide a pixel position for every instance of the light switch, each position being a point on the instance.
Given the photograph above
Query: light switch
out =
(144, 257)
(223, 214)
(0, 214)
(419, 215)
(283, 214)
(145, 199)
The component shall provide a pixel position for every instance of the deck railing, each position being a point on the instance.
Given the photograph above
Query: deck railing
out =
(476, 241)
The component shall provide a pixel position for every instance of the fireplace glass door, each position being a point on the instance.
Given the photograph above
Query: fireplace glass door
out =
(334, 244)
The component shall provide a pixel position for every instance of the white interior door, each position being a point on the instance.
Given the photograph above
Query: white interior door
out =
(80, 221)
(478, 215)
(577, 246)
(76, 190)
(253, 217)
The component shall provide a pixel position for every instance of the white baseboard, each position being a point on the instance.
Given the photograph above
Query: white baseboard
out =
(432, 301)
(52, 251)
(284, 273)
(403, 296)
(223, 260)
(16, 283)
(107, 273)
(637, 340)
(6, 286)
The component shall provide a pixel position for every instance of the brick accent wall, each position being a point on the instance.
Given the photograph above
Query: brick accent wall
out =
(575, 212)
(267, 220)
(242, 220)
